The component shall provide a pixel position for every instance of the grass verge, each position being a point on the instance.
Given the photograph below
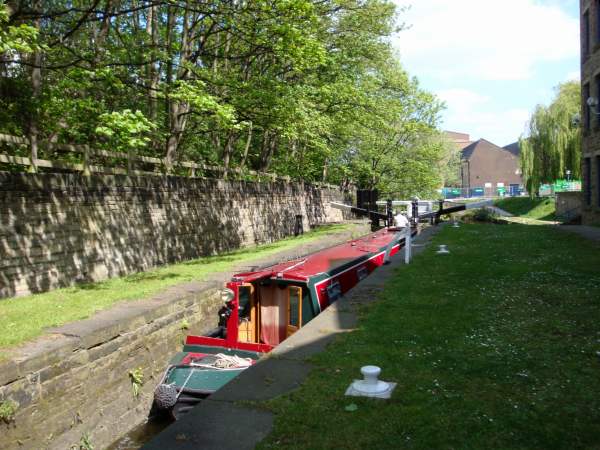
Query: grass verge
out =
(492, 346)
(25, 318)
(530, 208)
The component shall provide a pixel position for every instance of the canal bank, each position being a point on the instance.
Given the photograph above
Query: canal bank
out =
(92, 381)
(232, 418)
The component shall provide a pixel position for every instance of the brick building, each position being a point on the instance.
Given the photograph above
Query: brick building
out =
(461, 140)
(590, 123)
(487, 169)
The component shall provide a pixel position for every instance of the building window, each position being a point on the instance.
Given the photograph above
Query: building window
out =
(598, 180)
(597, 21)
(585, 50)
(597, 83)
(587, 181)
(587, 115)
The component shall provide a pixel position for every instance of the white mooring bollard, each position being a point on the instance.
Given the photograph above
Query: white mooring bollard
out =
(443, 250)
(407, 246)
(371, 386)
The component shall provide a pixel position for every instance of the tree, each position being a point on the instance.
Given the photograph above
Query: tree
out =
(551, 145)
(306, 88)
(20, 38)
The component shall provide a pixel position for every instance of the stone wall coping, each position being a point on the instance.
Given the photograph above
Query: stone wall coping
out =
(64, 181)
(570, 194)
(60, 342)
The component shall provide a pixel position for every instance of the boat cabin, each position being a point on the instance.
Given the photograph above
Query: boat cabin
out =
(270, 311)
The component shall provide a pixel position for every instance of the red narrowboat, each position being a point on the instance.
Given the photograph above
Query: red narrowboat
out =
(264, 307)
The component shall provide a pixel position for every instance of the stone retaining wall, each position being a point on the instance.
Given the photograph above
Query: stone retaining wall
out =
(568, 205)
(76, 382)
(58, 229)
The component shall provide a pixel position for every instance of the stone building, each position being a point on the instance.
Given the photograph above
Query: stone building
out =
(487, 169)
(590, 123)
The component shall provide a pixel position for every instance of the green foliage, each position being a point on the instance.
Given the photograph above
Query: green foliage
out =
(552, 144)
(85, 443)
(539, 208)
(125, 130)
(484, 215)
(195, 94)
(395, 146)
(8, 409)
(136, 376)
(21, 38)
(306, 88)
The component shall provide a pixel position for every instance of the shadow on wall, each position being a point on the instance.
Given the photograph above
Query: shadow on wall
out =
(61, 229)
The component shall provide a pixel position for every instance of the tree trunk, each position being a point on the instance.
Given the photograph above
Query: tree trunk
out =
(171, 145)
(36, 87)
(178, 120)
(269, 146)
(103, 33)
(294, 148)
(153, 73)
(178, 110)
(227, 152)
(247, 147)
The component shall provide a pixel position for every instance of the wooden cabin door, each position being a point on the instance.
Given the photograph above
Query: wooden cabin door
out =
(248, 314)
(294, 309)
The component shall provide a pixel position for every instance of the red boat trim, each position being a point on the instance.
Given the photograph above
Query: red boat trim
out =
(218, 342)
(191, 356)
(320, 283)
(304, 279)
(291, 267)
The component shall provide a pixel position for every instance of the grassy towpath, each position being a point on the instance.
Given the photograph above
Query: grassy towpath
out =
(493, 346)
(529, 208)
(24, 318)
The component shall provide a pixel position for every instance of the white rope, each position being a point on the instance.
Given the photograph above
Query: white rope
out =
(226, 362)
(184, 384)
(222, 363)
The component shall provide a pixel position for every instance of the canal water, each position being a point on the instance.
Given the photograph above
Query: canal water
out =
(140, 434)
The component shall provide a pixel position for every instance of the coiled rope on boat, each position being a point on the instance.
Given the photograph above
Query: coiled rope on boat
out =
(224, 362)
(166, 395)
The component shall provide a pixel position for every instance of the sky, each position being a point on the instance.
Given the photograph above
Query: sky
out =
(490, 61)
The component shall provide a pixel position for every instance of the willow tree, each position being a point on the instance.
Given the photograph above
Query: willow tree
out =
(551, 145)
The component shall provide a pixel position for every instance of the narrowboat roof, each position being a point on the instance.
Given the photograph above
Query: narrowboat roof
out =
(323, 261)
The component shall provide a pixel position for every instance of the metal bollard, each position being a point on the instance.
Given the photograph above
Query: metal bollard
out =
(390, 213)
(298, 226)
(415, 211)
(438, 217)
(407, 246)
